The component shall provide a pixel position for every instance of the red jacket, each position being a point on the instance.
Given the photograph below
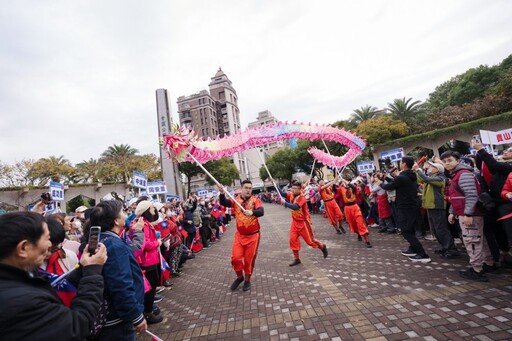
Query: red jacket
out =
(149, 254)
(507, 187)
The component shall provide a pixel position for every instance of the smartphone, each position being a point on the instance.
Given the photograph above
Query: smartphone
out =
(476, 138)
(94, 238)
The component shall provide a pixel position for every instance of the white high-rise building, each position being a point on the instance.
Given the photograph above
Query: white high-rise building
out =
(213, 113)
(228, 114)
(169, 167)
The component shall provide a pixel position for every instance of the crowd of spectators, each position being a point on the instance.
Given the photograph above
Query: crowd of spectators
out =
(463, 203)
(48, 274)
(110, 294)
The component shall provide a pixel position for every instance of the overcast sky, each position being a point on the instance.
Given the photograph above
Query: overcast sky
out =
(78, 76)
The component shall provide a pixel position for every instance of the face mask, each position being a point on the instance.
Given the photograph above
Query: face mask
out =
(158, 221)
(151, 217)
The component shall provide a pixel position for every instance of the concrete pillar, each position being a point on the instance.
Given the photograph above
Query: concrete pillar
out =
(97, 192)
(376, 160)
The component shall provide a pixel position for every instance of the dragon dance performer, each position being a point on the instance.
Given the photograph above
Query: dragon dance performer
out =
(301, 222)
(247, 235)
(331, 207)
(352, 211)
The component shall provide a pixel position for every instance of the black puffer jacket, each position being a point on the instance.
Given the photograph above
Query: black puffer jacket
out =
(31, 310)
(406, 187)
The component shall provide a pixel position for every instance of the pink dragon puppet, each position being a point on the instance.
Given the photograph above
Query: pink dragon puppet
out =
(184, 145)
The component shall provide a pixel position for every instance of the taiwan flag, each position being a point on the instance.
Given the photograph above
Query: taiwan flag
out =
(64, 289)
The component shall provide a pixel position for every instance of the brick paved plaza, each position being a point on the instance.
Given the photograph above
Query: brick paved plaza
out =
(354, 294)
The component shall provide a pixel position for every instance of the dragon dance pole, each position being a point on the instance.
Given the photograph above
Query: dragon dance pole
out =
(215, 180)
(332, 157)
(270, 175)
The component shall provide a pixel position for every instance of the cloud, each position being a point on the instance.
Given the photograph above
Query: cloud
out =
(76, 77)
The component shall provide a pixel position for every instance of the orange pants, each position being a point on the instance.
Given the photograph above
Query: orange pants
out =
(245, 249)
(333, 212)
(355, 220)
(303, 229)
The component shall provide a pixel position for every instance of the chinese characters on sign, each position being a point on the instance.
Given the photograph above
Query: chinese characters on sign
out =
(394, 154)
(139, 180)
(498, 137)
(57, 191)
(202, 193)
(156, 187)
(364, 167)
(163, 125)
(169, 197)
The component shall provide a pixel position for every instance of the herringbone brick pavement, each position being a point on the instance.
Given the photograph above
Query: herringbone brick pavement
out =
(355, 294)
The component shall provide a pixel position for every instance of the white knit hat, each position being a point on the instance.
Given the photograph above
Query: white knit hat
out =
(158, 206)
(143, 206)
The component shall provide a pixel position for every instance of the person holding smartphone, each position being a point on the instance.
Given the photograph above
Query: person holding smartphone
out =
(30, 308)
(124, 285)
(497, 172)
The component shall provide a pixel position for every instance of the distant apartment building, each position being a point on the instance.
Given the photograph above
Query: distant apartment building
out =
(213, 113)
(254, 162)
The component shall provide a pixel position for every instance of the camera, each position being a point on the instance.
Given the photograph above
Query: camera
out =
(46, 198)
(386, 161)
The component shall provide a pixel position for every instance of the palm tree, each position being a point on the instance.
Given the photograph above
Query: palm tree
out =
(364, 113)
(88, 170)
(52, 168)
(120, 156)
(405, 111)
(122, 150)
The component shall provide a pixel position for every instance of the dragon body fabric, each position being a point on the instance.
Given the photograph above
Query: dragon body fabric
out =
(183, 143)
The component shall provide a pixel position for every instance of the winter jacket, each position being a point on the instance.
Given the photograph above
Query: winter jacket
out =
(129, 219)
(176, 238)
(137, 240)
(124, 285)
(31, 309)
(205, 216)
(188, 218)
(464, 190)
(149, 254)
(406, 187)
(197, 216)
(433, 191)
(507, 187)
(499, 171)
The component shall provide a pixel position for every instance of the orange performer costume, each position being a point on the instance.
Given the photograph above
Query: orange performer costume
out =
(301, 223)
(353, 213)
(247, 235)
(331, 207)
